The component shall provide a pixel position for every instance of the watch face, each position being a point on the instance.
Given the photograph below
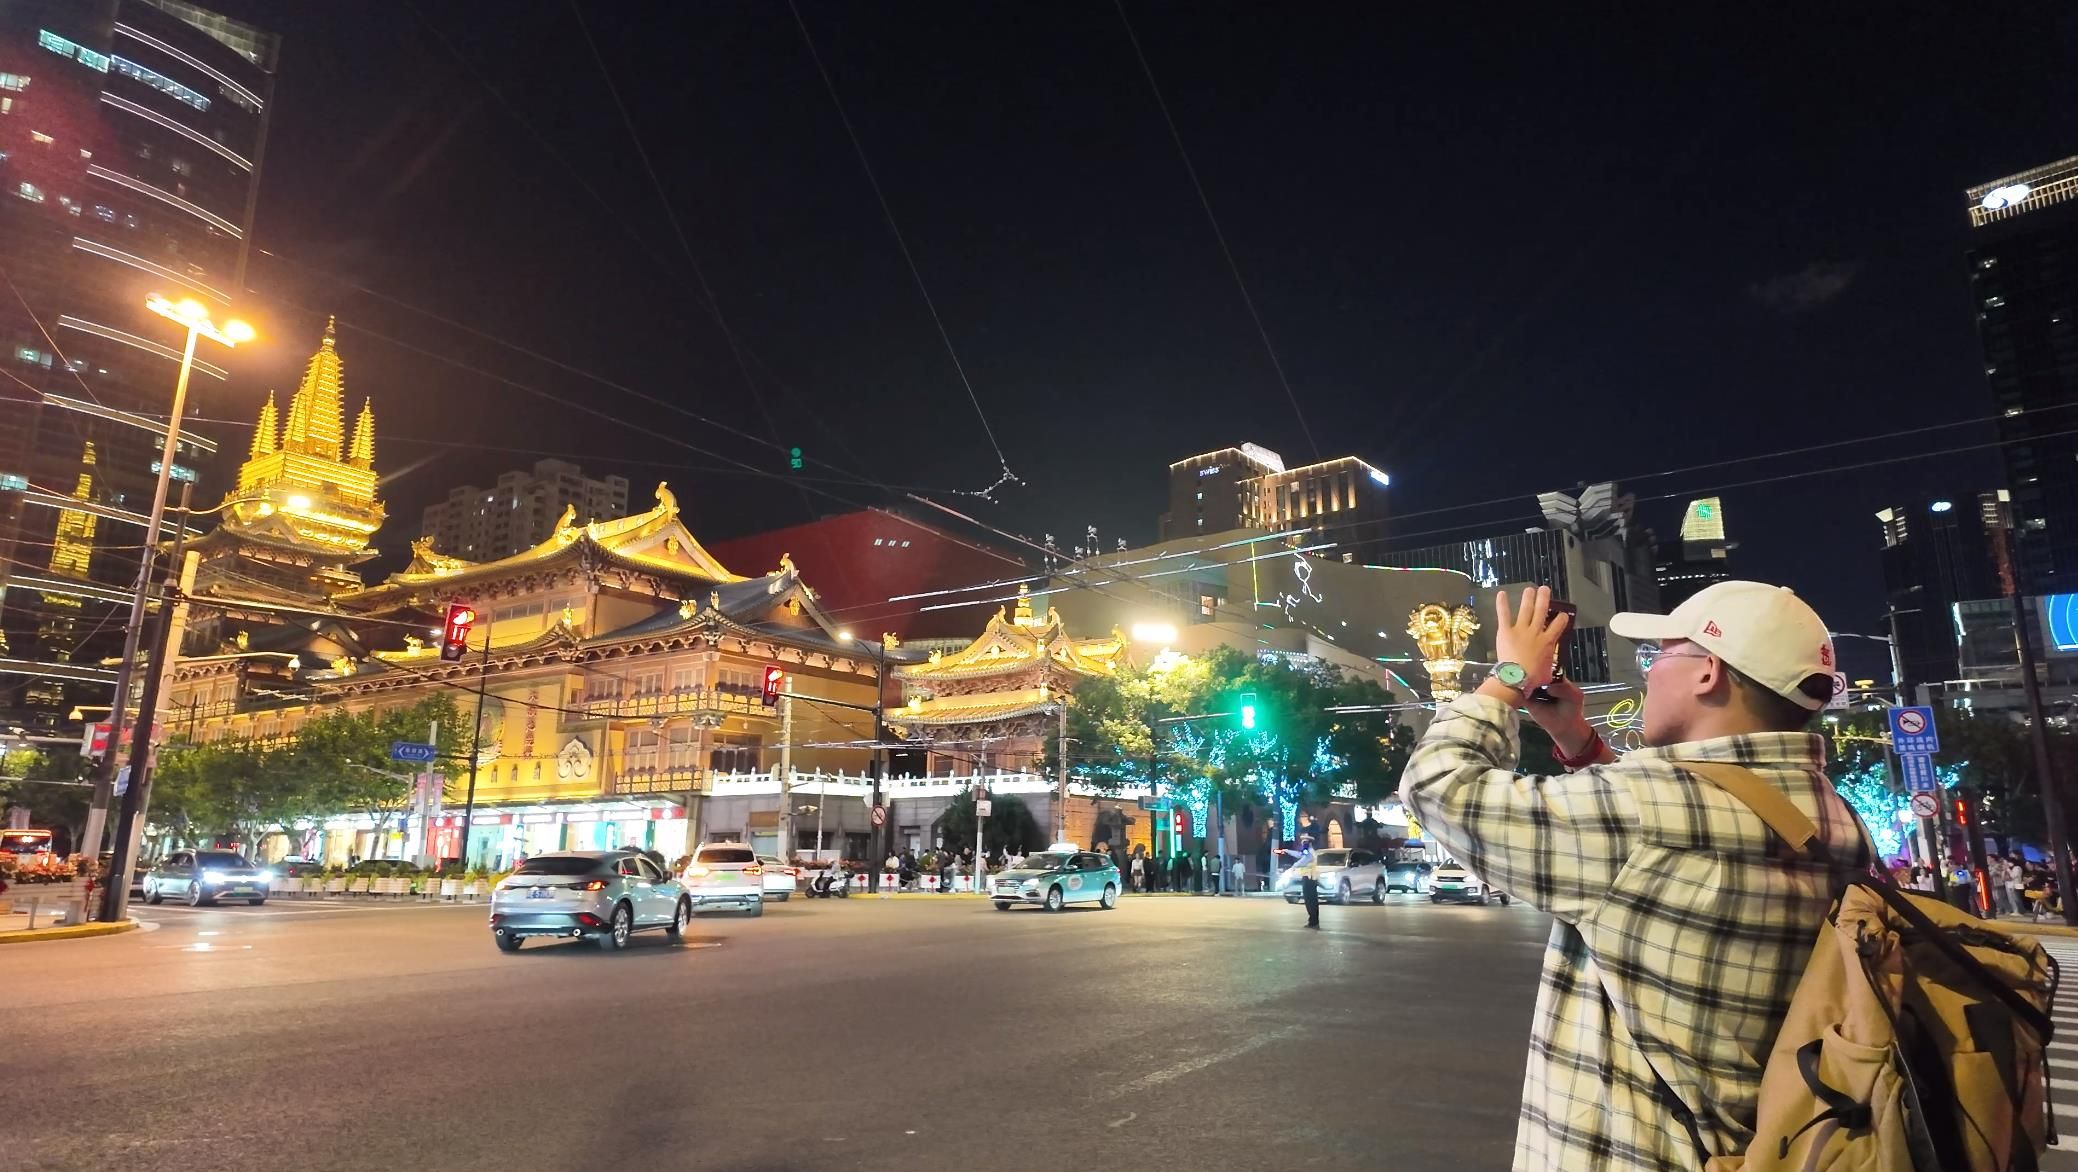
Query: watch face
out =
(1510, 674)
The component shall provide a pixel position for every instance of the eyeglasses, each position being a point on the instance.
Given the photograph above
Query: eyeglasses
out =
(1651, 653)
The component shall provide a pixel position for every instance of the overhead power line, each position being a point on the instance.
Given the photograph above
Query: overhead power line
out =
(887, 213)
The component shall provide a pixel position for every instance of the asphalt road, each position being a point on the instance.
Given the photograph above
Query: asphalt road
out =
(1171, 1033)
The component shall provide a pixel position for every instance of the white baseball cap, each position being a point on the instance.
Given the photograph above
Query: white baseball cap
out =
(1767, 632)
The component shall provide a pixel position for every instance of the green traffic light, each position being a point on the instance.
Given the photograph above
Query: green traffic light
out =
(1248, 710)
(793, 458)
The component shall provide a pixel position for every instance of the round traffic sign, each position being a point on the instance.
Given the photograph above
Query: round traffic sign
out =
(1924, 805)
(1911, 723)
(880, 815)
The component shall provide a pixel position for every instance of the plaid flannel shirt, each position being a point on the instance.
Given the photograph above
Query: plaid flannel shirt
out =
(1682, 925)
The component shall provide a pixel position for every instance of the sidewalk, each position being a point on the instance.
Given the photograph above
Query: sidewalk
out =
(14, 929)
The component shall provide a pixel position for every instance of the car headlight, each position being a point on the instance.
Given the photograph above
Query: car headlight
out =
(266, 875)
(212, 876)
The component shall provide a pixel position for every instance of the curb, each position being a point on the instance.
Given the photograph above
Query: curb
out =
(68, 932)
(2020, 928)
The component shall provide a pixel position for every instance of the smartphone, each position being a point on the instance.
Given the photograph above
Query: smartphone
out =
(1559, 607)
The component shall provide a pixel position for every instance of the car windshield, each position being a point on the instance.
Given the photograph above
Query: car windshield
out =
(1332, 858)
(726, 854)
(221, 859)
(1047, 860)
(557, 865)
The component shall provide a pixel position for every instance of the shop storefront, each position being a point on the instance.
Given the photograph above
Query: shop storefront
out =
(500, 837)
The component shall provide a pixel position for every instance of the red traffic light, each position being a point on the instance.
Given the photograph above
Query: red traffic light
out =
(454, 641)
(775, 682)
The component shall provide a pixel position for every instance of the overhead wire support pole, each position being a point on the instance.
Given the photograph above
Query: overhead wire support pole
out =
(483, 679)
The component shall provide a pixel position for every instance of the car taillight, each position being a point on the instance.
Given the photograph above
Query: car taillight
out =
(753, 869)
(696, 870)
(589, 885)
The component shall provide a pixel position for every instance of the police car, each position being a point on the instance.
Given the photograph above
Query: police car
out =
(1056, 877)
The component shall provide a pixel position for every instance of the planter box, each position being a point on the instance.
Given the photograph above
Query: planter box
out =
(357, 887)
(310, 885)
(45, 903)
(334, 886)
(450, 888)
(475, 890)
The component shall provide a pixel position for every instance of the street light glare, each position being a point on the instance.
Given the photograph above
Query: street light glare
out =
(1154, 632)
(844, 635)
(238, 331)
(190, 309)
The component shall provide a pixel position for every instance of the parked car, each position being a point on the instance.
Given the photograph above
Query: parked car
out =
(1453, 882)
(383, 866)
(1345, 875)
(725, 874)
(1055, 878)
(782, 879)
(604, 896)
(205, 876)
(296, 868)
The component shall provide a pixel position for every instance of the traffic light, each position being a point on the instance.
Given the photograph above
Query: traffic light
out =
(1248, 710)
(454, 641)
(1961, 810)
(775, 681)
(793, 458)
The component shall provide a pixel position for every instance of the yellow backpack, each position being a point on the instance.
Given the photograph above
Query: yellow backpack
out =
(1916, 1040)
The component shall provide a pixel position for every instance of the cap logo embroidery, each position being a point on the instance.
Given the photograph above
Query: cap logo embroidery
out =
(1711, 630)
(1825, 654)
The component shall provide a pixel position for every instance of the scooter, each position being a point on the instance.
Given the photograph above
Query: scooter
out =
(828, 886)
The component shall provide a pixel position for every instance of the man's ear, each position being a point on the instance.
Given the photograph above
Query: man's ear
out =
(1715, 679)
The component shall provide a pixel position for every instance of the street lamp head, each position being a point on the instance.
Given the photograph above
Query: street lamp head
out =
(844, 635)
(190, 309)
(75, 714)
(238, 331)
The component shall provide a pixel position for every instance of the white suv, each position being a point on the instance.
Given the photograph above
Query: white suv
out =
(725, 874)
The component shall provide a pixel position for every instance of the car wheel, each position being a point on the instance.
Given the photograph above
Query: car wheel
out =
(1435, 899)
(151, 893)
(758, 908)
(1342, 892)
(1055, 899)
(256, 902)
(680, 917)
(1292, 899)
(618, 929)
(1503, 897)
(1002, 905)
(1110, 896)
(507, 942)
(195, 896)
(1378, 892)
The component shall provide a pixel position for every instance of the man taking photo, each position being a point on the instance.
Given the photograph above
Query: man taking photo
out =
(1681, 923)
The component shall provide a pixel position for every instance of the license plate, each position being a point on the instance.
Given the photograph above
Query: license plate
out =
(540, 893)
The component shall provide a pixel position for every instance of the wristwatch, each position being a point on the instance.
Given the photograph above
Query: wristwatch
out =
(1510, 675)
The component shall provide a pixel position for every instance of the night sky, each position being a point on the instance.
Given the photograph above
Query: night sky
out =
(1497, 249)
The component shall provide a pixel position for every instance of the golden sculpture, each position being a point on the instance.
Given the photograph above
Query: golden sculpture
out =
(1442, 634)
(889, 640)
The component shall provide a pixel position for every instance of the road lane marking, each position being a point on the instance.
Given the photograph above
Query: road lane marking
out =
(1192, 1066)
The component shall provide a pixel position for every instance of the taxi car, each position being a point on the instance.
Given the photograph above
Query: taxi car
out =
(1056, 877)
(1453, 882)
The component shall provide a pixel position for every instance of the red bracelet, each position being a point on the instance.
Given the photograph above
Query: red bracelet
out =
(1592, 750)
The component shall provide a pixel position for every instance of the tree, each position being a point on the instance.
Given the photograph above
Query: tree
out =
(1010, 825)
(48, 781)
(342, 759)
(1305, 747)
(229, 788)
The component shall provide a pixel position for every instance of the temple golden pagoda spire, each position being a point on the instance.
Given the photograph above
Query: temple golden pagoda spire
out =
(316, 425)
(311, 490)
(267, 436)
(361, 453)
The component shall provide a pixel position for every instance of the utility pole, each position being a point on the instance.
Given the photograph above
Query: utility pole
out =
(483, 679)
(1060, 801)
(2038, 727)
(427, 800)
(980, 820)
(166, 634)
(786, 779)
(883, 834)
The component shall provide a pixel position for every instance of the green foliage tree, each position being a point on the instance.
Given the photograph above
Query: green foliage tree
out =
(50, 782)
(1301, 752)
(1009, 825)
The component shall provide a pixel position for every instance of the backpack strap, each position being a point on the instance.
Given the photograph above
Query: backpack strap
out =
(1768, 803)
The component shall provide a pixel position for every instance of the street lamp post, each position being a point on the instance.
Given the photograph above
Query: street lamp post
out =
(193, 316)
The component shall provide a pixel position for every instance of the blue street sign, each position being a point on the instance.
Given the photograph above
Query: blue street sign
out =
(411, 751)
(1919, 773)
(1912, 731)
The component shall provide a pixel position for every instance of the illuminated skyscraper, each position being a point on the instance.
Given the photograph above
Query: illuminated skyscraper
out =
(131, 133)
(1702, 556)
(2024, 280)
